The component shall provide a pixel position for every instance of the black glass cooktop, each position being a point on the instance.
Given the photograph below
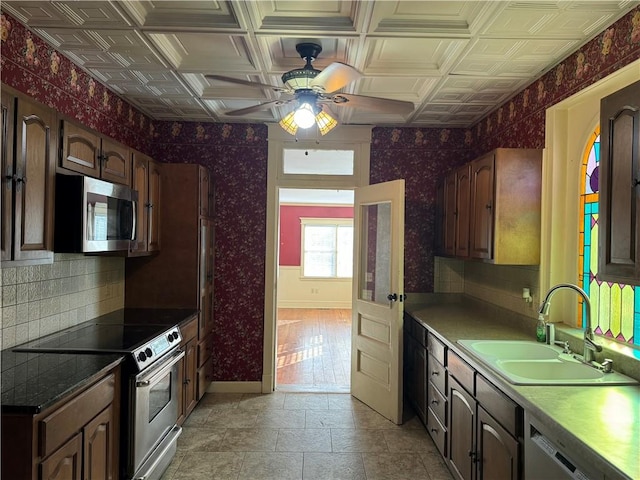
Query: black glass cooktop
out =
(121, 331)
(92, 338)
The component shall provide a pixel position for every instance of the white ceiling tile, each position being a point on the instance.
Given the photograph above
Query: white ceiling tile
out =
(319, 16)
(68, 14)
(205, 52)
(410, 56)
(455, 61)
(186, 15)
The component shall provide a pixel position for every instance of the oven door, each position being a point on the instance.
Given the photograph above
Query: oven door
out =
(153, 408)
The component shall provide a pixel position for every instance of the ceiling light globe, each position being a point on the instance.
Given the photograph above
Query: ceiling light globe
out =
(304, 116)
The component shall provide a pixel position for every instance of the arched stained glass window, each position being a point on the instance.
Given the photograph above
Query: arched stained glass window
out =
(615, 308)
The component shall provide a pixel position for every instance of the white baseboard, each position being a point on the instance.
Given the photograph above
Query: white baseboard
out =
(235, 387)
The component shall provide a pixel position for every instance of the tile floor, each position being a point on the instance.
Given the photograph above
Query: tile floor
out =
(310, 436)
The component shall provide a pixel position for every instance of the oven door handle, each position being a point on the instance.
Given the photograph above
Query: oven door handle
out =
(161, 370)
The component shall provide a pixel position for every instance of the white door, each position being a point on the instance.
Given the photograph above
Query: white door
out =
(376, 338)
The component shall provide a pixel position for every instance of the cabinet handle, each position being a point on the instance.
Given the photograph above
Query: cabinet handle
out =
(488, 206)
(434, 430)
(434, 402)
(435, 373)
(636, 182)
(474, 456)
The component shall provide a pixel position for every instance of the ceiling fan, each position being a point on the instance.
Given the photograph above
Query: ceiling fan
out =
(312, 91)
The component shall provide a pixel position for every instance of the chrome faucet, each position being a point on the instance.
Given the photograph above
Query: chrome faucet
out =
(589, 345)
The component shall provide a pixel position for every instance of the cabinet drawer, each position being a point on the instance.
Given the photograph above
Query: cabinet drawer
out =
(189, 331)
(438, 432)
(205, 349)
(72, 416)
(499, 406)
(205, 376)
(437, 375)
(436, 348)
(461, 371)
(437, 403)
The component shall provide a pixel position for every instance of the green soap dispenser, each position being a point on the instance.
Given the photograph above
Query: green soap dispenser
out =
(541, 329)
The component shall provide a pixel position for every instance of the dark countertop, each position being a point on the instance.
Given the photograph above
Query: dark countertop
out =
(32, 382)
(601, 423)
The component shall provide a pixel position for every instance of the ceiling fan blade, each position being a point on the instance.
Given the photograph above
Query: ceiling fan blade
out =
(383, 105)
(257, 108)
(335, 76)
(246, 83)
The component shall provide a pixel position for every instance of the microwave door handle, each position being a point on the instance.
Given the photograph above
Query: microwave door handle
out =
(90, 220)
(135, 220)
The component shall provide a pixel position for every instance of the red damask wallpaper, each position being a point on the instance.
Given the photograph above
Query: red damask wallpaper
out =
(237, 156)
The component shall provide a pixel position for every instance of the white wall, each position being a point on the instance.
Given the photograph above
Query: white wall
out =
(297, 292)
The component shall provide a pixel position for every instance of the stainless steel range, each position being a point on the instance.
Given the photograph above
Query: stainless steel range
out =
(149, 391)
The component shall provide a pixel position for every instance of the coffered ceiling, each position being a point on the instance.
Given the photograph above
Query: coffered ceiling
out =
(454, 60)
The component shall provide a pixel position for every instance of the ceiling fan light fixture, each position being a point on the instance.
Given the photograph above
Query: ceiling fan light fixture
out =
(304, 116)
(325, 122)
(288, 124)
(299, 78)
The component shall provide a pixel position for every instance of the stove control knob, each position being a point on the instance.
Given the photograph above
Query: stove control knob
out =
(176, 335)
(142, 356)
(148, 352)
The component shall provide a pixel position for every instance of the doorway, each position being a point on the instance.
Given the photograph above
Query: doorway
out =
(315, 264)
(336, 161)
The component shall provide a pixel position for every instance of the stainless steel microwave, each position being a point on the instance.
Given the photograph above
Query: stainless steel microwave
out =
(93, 216)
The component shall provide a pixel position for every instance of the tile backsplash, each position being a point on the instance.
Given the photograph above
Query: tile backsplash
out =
(500, 285)
(41, 299)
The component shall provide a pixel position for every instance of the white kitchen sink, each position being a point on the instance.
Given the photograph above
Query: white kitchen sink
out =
(532, 363)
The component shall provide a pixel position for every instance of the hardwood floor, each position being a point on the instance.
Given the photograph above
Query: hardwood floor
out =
(314, 350)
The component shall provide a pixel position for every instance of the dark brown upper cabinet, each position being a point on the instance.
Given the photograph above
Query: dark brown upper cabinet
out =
(28, 176)
(90, 153)
(619, 251)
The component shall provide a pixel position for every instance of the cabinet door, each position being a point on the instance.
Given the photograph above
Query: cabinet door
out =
(33, 182)
(204, 192)
(206, 277)
(499, 452)
(140, 183)
(420, 379)
(450, 214)
(153, 233)
(463, 211)
(116, 162)
(462, 432)
(65, 463)
(482, 205)
(190, 376)
(80, 150)
(99, 447)
(619, 183)
(6, 198)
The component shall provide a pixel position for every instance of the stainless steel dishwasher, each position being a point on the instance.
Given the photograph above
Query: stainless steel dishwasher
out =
(547, 458)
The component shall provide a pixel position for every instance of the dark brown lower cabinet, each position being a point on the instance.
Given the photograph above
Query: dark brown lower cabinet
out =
(187, 398)
(462, 432)
(66, 462)
(476, 427)
(78, 438)
(415, 367)
(498, 451)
